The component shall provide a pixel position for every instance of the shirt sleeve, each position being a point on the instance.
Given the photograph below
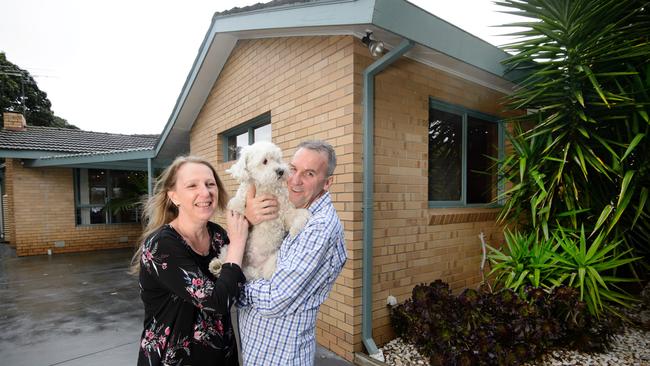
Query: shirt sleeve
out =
(168, 261)
(302, 272)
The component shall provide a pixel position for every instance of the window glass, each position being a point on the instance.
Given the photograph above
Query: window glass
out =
(463, 147)
(127, 189)
(482, 143)
(445, 155)
(108, 196)
(262, 133)
(235, 144)
(256, 129)
(97, 185)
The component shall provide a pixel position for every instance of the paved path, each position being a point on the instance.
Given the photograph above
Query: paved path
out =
(75, 309)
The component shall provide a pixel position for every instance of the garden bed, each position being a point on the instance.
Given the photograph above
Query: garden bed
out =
(630, 347)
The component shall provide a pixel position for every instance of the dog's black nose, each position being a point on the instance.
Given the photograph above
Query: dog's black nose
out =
(280, 172)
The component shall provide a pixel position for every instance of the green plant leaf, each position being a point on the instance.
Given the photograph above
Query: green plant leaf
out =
(607, 210)
(643, 198)
(578, 94)
(624, 185)
(595, 84)
(633, 144)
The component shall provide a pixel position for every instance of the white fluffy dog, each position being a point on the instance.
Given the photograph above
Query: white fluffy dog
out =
(261, 165)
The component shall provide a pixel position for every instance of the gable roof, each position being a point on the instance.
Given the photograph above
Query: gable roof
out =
(65, 140)
(438, 44)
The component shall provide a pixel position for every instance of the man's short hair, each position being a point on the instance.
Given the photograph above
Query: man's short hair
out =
(322, 147)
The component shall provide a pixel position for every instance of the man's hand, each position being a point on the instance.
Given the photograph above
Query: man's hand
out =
(261, 208)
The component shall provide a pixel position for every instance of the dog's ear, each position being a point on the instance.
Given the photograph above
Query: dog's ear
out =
(239, 170)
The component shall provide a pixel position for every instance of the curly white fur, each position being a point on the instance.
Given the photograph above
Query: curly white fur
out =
(261, 165)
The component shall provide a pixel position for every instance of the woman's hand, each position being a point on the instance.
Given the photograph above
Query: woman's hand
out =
(261, 208)
(237, 228)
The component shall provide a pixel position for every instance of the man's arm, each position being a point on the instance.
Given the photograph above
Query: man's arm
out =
(302, 272)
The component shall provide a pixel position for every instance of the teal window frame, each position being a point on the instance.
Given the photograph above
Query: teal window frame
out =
(246, 127)
(108, 217)
(465, 113)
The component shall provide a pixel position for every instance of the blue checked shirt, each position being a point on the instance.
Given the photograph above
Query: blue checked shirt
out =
(277, 318)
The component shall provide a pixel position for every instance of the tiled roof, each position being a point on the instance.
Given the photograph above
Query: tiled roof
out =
(94, 153)
(39, 138)
(258, 6)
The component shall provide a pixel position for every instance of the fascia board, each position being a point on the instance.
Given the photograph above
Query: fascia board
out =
(221, 39)
(89, 159)
(410, 21)
(312, 14)
(28, 154)
(212, 56)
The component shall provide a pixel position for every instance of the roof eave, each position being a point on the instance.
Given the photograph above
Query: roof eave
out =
(221, 38)
(28, 154)
(399, 17)
(419, 25)
(85, 159)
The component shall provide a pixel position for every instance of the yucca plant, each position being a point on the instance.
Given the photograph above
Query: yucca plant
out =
(582, 160)
(524, 260)
(585, 266)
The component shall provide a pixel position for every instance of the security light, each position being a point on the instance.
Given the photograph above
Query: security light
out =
(376, 47)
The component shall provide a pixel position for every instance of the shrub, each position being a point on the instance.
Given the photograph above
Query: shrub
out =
(585, 77)
(502, 328)
(524, 260)
(571, 259)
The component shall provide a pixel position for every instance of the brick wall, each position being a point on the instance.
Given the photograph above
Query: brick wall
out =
(14, 121)
(307, 85)
(412, 243)
(312, 86)
(41, 212)
(8, 203)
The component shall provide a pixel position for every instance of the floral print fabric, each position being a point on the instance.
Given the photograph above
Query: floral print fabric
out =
(187, 309)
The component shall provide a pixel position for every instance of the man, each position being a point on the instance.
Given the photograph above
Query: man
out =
(277, 318)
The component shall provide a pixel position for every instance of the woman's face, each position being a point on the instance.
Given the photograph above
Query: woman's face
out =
(196, 191)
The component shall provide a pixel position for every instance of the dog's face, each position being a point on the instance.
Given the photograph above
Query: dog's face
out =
(262, 163)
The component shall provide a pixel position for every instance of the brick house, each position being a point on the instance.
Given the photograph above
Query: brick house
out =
(411, 129)
(56, 184)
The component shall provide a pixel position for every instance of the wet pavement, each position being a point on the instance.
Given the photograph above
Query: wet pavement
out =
(75, 309)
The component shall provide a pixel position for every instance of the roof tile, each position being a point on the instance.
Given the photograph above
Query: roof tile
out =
(39, 138)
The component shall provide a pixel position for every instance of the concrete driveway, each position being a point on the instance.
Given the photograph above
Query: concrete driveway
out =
(75, 309)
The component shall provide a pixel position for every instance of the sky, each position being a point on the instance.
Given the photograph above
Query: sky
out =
(118, 66)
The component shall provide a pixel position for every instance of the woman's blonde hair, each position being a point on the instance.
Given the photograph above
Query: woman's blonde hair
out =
(160, 210)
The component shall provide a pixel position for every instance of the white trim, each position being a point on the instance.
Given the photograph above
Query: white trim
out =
(462, 75)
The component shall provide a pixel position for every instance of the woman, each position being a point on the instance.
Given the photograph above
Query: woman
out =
(187, 309)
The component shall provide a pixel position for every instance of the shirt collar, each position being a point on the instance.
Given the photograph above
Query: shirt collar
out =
(320, 202)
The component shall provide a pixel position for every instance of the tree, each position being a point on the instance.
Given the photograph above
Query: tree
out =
(581, 166)
(20, 93)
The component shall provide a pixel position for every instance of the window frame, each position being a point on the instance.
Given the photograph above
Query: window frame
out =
(464, 113)
(246, 127)
(108, 217)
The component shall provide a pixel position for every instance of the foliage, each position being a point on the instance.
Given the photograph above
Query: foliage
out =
(479, 327)
(16, 82)
(583, 157)
(526, 260)
(132, 195)
(584, 268)
(564, 259)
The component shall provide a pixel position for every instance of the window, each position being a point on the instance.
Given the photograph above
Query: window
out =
(257, 129)
(108, 196)
(461, 145)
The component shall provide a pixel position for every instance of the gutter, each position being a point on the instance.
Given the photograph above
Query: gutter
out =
(368, 188)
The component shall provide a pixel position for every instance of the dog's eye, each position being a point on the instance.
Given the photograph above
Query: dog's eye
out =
(265, 161)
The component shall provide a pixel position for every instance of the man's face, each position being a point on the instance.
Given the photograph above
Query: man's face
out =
(308, 178)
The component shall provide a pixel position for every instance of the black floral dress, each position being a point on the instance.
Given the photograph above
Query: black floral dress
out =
(186, 309)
